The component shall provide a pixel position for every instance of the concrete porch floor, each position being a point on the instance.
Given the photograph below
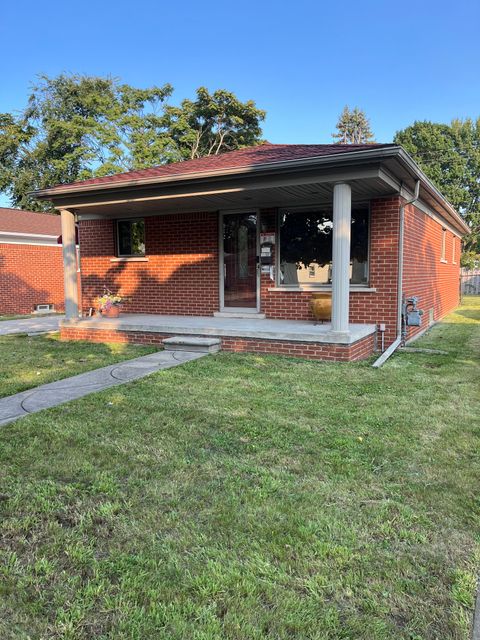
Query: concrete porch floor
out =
(265, 329)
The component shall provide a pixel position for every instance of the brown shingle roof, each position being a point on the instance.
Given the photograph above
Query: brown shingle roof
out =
(251, 156)
(19, 221)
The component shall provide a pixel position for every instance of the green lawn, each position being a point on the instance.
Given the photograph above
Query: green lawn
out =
(15, 317)
(27, 362)
(250, 497)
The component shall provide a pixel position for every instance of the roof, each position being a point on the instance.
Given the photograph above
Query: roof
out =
(20, 221)
(260, 161)
(266, 153)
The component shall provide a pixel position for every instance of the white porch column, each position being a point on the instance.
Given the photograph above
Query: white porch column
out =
(69, 264)
(342, 218)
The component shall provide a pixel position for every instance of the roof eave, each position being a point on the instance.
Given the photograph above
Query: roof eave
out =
(332, 159)
(418, 174)
(343, 159)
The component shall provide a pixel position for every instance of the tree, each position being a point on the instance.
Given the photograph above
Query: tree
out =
(213, 123)
(353, 127)
(76, 127)
(450, 156)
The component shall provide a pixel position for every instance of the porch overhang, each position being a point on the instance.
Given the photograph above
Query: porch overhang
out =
(239, 192)
(371, 173)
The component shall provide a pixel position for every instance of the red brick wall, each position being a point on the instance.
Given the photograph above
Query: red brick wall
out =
(364, 307)
(30, 275)
(180, 277)
(310, 350)
(436, 283)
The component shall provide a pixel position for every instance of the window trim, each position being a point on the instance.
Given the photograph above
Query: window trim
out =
(444, 246)
(454, 249)
(117, 239)
(324, 286)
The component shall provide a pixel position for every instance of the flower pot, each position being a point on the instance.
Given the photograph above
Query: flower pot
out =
(321, 306)
(111, 312)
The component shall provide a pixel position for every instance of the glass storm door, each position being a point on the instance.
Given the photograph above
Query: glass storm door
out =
(239, 237)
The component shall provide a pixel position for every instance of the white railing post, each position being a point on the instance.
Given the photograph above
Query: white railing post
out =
(342, 219)
(69, 264)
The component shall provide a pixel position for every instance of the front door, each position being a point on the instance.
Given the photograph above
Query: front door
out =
(239, 276)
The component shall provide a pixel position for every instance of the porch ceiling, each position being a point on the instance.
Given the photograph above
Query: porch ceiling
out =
(370, 182)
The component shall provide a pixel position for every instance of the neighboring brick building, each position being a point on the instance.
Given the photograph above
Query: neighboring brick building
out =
(31, 263)
(253, 233)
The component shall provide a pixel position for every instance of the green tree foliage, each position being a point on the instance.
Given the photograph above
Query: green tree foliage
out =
(76, 127)
(353, 127)
(450, 156)
(213, 123)
(470, 260)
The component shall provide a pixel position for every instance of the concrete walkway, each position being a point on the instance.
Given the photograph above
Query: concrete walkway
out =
(55, 393)
(40, 324)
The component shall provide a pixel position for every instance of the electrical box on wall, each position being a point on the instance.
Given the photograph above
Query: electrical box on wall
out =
(412, 315)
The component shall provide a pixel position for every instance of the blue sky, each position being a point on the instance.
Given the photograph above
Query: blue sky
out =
(301, 60)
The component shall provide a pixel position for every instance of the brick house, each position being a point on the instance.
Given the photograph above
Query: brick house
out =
(235, 245)
(31, 263)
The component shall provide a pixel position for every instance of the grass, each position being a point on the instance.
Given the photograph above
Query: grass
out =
(244, 497)
(26, 316)
(16, 317)
(27, 362)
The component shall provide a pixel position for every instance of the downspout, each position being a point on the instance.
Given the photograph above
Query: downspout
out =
(401, 237)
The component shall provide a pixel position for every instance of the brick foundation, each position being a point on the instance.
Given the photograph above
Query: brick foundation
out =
(309, 350)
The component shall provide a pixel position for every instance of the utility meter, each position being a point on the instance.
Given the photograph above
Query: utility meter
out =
(411, 313)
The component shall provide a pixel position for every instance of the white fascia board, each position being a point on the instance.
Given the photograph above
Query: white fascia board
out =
(33, 239)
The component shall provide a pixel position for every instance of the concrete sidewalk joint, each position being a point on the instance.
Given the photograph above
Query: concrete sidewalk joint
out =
(56, 393)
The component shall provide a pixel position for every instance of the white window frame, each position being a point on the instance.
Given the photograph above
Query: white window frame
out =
(454, 249)
(444, 245)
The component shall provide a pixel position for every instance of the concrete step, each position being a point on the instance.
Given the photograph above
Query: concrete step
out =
(192, 343)
(245, 315)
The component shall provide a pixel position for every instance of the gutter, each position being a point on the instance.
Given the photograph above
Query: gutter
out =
(401, 239)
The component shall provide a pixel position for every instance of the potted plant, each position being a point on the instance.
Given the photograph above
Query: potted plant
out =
(109, 304)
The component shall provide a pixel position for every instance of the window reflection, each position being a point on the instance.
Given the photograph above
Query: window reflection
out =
(306, 247)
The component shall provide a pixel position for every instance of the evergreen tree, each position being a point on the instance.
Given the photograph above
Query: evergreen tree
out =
(353, 127)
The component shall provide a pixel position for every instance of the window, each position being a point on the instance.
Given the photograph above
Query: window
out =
(131, 237)
(444, 245)
(306, 246)
(454, 257)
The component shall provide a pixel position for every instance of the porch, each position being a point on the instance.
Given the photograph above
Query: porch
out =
(257, 335)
